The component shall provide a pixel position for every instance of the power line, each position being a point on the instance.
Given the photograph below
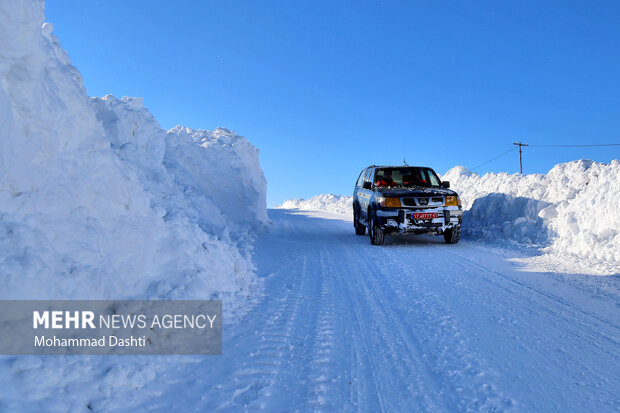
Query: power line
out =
(492, 159)
(519, 145)
(574, 146)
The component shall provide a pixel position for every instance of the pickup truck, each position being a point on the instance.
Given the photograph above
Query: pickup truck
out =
(405, 200)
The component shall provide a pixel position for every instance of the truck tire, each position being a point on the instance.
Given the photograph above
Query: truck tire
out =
(359, 228)
(452, 235)
(377, 236)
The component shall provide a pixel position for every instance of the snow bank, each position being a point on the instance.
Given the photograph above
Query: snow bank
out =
(222, 165)
(97, 201)
(338, 204)
(571, 211)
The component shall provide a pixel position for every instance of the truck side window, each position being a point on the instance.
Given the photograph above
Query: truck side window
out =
(360, 179)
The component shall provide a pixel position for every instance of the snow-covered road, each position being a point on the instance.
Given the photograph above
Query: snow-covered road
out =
(415, 325)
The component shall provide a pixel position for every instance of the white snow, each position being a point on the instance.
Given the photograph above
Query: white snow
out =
(97, 201)
(342, 325)
(572, 212)
(337, 204)
(224, 170)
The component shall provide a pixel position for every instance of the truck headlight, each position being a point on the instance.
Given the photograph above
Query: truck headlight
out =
(389, 202)
(392, 202)
(453, 200)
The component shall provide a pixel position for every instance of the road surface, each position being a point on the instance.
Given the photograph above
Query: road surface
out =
(415, 325)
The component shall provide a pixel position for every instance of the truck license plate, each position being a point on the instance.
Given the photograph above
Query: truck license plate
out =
(425, 215)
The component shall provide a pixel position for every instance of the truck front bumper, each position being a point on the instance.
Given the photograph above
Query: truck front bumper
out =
(402, 220)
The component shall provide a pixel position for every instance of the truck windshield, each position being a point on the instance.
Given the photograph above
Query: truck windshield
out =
(406, 176)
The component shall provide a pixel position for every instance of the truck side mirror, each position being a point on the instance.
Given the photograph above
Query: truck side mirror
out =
(445, 184)
(367, 185)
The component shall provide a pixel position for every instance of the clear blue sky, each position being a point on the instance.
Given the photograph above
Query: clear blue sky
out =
(326, 88)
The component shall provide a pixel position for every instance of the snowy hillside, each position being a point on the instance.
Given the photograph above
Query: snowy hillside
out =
(572, 210)
(98, 201)
(338, 204)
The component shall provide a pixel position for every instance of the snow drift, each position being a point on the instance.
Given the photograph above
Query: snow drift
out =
(97, 201)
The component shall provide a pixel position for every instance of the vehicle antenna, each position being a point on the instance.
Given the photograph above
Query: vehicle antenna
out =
(405, 161)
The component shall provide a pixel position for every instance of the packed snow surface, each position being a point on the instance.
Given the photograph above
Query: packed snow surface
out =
(572, 212)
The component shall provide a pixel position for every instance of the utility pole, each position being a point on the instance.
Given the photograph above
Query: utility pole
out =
(520, 144)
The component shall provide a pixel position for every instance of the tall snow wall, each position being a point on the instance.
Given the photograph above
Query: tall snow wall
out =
(98, 201)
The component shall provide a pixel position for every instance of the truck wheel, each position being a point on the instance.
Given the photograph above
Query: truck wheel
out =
(359, 228)
(452, 235)
(377, 236)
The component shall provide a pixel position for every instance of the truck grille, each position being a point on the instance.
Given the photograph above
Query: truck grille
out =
(423, 201)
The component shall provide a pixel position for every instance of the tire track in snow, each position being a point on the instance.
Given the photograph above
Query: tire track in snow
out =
(392, 370)
(469, 384)
(531, 325)
(274, 344)
(413, 378)
(463, 260)
(577, 326)
(295, 346)
(367, 353)
(554, 306)
(322, 379)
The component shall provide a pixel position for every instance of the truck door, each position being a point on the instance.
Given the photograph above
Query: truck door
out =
(365, 193)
